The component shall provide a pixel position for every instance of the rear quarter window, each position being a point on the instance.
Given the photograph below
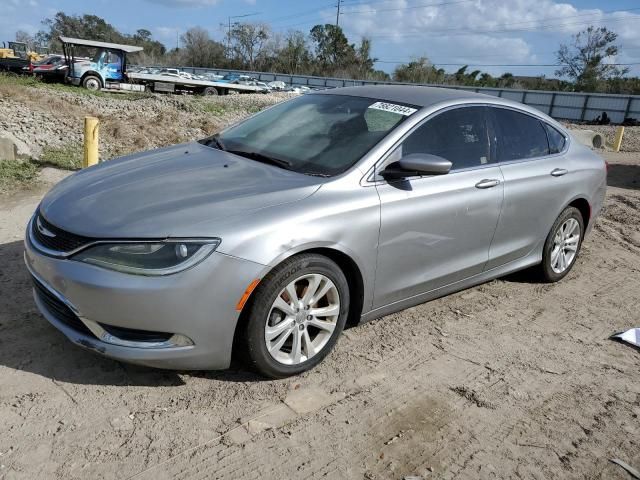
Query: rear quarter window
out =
(519, 136)
(557, 140)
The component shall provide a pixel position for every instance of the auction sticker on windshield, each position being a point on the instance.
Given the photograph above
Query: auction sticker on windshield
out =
(394, 108)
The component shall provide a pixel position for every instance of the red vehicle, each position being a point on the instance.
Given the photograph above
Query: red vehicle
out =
(51, 68)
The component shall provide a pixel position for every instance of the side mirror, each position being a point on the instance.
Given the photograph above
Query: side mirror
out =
(417, 164)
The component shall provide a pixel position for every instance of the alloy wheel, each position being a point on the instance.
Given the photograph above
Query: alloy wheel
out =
(302, 319)
(565, 245)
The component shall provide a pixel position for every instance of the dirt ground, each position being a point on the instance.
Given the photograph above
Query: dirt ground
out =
(511, 379)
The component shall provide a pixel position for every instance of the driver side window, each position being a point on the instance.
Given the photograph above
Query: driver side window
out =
(459, 135)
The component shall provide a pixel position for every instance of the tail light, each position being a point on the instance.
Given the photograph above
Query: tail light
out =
(606, 165)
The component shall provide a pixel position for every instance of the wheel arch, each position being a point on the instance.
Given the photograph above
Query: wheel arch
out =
(345, 262)
(354, 276)
(92, 73)
(583, 205)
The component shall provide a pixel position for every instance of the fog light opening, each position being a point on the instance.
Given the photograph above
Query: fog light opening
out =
(180, 341)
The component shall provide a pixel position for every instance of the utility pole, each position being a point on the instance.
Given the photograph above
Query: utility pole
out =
(338, 14)
(229, 39)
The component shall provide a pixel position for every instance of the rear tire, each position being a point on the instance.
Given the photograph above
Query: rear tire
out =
(276, 323)
(562, 245)
(210, 91)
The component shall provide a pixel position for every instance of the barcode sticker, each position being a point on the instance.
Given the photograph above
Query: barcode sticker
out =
(394, 108)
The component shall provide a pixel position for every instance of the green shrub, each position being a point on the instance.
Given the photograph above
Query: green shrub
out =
(68, 157)
(16, 173)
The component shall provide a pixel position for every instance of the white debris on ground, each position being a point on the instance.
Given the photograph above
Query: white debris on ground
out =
(631, 336)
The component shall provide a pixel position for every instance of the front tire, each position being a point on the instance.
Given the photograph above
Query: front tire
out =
(91, 82)
(562, 245)
(296, 316)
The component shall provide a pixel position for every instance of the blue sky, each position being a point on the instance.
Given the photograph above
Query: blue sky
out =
(482, 32)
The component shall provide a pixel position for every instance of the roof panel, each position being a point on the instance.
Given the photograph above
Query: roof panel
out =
(410, 94)
(94, 43)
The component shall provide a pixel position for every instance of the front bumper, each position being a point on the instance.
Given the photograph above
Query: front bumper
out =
(198, 304)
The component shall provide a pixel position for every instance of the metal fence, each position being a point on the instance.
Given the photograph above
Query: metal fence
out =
(559, 105)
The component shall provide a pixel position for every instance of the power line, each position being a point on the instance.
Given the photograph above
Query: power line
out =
(229, 30)
(441, 4)
(303, 13)
(465, 31)
(555, 65)
(314, 12)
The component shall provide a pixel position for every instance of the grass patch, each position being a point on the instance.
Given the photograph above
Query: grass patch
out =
(10, 79)
(19, 80)
(17, 173)
(24, 173)
(213, 108)
(67, 157)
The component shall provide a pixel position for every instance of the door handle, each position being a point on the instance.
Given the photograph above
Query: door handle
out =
(558, 172)
(487, 183)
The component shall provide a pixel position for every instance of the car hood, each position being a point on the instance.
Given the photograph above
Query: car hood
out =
(179, 191)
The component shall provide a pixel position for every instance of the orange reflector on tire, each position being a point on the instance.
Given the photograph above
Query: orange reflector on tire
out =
(247, 294)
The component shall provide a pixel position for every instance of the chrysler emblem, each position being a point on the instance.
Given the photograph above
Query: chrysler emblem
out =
(43, 230)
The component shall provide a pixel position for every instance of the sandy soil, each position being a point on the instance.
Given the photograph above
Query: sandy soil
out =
(511, 379)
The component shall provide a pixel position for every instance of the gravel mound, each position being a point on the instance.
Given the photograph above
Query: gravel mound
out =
(630, 140)
(44, 117)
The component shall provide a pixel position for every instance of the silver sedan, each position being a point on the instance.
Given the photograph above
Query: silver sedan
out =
(335, 207)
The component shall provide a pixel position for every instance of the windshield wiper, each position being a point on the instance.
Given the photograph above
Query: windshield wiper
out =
(213, 141)
(260, 157)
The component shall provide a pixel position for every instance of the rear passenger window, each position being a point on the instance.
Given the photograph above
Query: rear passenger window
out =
(556, 139)
(459, 135)
(519, 136)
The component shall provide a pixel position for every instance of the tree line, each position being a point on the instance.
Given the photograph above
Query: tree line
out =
(586, 64)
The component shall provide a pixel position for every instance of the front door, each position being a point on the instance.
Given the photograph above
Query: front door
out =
(436, 230)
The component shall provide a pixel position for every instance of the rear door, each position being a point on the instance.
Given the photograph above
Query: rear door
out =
(536, 174)
(436, 230)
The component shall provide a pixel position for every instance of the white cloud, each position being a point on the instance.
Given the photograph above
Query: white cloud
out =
(165, 34)
(461, 32)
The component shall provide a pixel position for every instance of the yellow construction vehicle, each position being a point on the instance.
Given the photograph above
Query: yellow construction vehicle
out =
(16, 57)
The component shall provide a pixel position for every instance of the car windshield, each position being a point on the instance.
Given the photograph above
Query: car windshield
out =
(316, 134)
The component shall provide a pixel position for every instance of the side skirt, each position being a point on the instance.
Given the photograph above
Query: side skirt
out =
(534, 258)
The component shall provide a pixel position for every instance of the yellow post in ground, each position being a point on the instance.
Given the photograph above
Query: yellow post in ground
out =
(617, 141)
(90, 142)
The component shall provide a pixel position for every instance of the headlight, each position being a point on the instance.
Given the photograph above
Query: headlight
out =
(149, 258)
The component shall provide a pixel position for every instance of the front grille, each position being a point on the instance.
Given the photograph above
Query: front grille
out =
(59, 310)
(61, 241)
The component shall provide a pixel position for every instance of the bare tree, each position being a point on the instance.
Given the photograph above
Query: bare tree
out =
(589, 59)
(247, 40)
(24, 37)
(200, 50)
(294, 55)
